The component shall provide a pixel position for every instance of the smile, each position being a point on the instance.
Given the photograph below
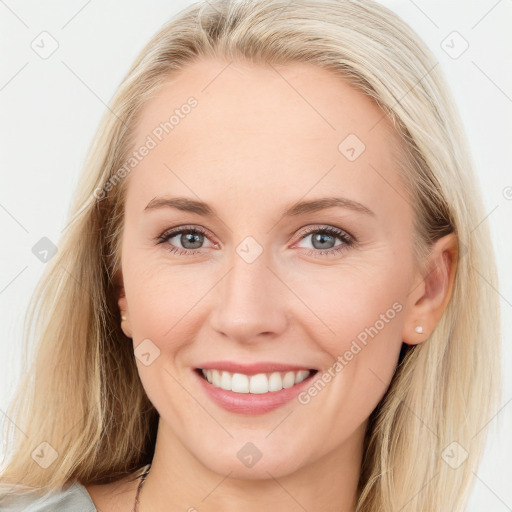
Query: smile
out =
(256, 388)
(258, 384)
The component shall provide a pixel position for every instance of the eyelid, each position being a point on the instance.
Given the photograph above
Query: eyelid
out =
(185, 227)
(342, 233)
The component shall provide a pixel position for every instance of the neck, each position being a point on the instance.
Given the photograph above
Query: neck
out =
(179, 481)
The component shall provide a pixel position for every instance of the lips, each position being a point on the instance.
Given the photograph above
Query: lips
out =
(252, 388)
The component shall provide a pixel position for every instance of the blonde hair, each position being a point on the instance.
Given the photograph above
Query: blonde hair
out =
(82, 393)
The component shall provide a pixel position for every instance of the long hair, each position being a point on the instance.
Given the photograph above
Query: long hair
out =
(81, 408)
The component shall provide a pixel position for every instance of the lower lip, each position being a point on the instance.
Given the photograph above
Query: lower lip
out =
(252, 403)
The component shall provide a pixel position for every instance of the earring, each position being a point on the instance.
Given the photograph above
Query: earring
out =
(419, 329)
(123, 318)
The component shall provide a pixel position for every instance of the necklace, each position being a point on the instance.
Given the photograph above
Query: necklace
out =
(143, 478)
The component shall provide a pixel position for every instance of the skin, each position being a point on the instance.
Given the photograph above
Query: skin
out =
(259, 140)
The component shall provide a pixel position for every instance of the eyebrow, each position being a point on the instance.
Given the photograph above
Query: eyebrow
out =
(298, 208)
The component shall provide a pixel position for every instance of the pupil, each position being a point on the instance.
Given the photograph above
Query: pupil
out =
(189, 237)
(321, 238)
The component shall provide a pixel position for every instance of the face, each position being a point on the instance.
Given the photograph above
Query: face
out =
(255, 289)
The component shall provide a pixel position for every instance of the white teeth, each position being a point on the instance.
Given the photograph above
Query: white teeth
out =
(225, 382)
(258, 384)
(239, 383)
(301, 375)
(275, 382)
(289, 380)
(216, 378)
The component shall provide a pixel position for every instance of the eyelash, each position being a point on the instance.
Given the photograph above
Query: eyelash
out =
(348, 240)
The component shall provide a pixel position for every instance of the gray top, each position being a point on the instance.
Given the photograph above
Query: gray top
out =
(74, 498)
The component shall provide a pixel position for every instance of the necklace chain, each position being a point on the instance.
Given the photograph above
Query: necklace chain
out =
(143, 478)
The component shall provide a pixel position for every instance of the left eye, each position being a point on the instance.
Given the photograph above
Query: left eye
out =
(322, 240)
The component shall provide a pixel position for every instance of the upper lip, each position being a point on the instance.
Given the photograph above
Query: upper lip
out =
(252, 368)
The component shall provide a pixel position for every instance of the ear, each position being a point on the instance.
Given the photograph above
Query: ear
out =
(123, 309)
(428, 299)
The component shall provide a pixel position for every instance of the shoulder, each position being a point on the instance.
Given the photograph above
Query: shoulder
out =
(73, 497)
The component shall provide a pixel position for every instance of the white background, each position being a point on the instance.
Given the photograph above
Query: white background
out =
(50, 109)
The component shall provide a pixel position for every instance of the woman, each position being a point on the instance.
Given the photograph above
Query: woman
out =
(292, 145)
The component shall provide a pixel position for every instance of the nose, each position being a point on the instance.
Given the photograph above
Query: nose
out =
(251, 302)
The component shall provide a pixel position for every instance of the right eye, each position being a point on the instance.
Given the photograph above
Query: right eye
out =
(185, 236)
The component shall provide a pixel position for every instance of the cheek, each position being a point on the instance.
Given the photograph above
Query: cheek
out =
(352, 302)
(164, 298)
(359, 311)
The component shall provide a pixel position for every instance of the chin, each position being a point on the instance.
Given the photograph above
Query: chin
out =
(248, 460)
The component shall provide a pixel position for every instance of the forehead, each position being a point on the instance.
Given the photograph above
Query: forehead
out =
(295, 127)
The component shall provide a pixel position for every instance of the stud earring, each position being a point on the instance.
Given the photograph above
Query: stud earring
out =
(123, 318)
(419, 329)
